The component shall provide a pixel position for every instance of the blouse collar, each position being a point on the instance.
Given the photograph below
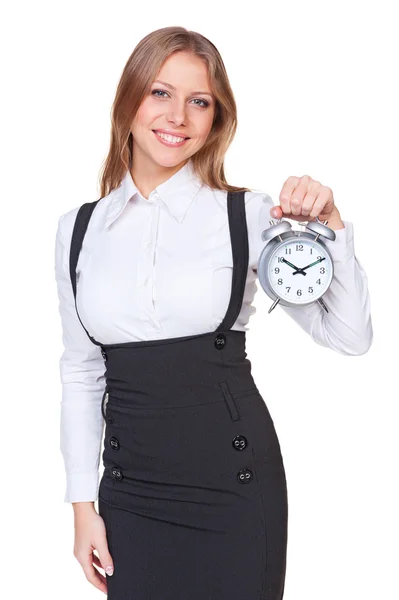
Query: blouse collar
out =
(177, 193)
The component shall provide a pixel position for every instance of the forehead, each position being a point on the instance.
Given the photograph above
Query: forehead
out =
(185, 71)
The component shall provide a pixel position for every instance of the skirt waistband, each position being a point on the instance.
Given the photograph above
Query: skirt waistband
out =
(180, 373)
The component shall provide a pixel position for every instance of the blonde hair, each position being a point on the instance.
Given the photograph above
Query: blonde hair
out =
(135, 83)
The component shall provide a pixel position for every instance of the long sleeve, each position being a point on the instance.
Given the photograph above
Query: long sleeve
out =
(347, 327)
(82, 376)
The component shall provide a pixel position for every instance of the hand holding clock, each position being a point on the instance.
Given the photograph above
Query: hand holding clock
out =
(305, 197)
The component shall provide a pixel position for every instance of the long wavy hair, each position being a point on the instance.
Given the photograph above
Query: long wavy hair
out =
(135, 83)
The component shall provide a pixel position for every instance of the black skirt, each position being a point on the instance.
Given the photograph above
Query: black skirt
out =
(193, 493)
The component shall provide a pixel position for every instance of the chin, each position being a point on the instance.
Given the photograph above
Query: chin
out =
(162, 162)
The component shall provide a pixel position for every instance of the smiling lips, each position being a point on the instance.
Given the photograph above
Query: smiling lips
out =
(170, 140)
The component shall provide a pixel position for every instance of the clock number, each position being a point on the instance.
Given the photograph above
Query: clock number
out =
(277, 270)
(280, 281)
(322, 270)
(310, 290)
(280, 259)
(299, 247)
(288, 288)
(288, 250)
(318, 281)
(299, 292)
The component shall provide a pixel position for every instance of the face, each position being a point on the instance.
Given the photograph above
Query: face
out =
(180, 102)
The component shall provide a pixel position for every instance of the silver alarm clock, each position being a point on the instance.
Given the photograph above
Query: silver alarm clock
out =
(296, 268)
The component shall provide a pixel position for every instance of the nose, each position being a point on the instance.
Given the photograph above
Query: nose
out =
(177, 113)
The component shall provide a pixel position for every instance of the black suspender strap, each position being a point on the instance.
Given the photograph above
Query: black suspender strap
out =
(240, 252)
(81, 222)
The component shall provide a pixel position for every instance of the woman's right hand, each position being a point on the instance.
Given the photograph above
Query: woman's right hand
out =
(90, 535)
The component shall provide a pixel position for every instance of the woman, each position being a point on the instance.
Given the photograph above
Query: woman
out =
(193, 498)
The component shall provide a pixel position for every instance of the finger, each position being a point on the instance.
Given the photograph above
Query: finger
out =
(97, 561)
(307, 204)
(286, 192)
(276, 212)
(298, 195)
(105, 557)
(320, 202)
(92, 574)
(101, 576)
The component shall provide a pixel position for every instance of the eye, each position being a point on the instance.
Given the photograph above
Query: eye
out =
(155, 92)
(205, 103)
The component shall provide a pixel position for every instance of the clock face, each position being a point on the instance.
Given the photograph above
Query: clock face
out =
(300, 270)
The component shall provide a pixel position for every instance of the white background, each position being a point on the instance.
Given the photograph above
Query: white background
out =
(316, 88)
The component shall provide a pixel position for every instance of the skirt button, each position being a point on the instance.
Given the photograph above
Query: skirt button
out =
(244, 476)
(239, 442)
(114, 443)
(116, 473)
(220, 341)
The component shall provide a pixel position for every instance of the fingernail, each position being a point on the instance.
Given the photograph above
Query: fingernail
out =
(109, 570)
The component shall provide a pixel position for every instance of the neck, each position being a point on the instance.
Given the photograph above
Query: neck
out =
(148, 175)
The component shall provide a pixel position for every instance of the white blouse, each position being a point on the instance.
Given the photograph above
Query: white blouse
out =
(161, 267)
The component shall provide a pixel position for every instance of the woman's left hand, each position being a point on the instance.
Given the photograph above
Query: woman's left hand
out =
(304, 199)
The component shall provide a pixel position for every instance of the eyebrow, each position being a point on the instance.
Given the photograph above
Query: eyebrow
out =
(172, 87)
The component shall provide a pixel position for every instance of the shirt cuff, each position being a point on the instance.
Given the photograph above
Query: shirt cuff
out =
(342, 248)
(82, 487)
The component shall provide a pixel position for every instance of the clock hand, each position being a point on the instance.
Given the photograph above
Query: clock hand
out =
(307, 266)
(297, 269)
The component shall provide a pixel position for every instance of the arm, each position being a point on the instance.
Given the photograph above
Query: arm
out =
(347, 327)
(83, 383)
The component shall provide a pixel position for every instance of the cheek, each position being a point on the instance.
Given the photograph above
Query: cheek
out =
(145, 114)
(204, 126)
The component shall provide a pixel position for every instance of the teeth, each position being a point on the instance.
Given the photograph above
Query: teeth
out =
(170, 138)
